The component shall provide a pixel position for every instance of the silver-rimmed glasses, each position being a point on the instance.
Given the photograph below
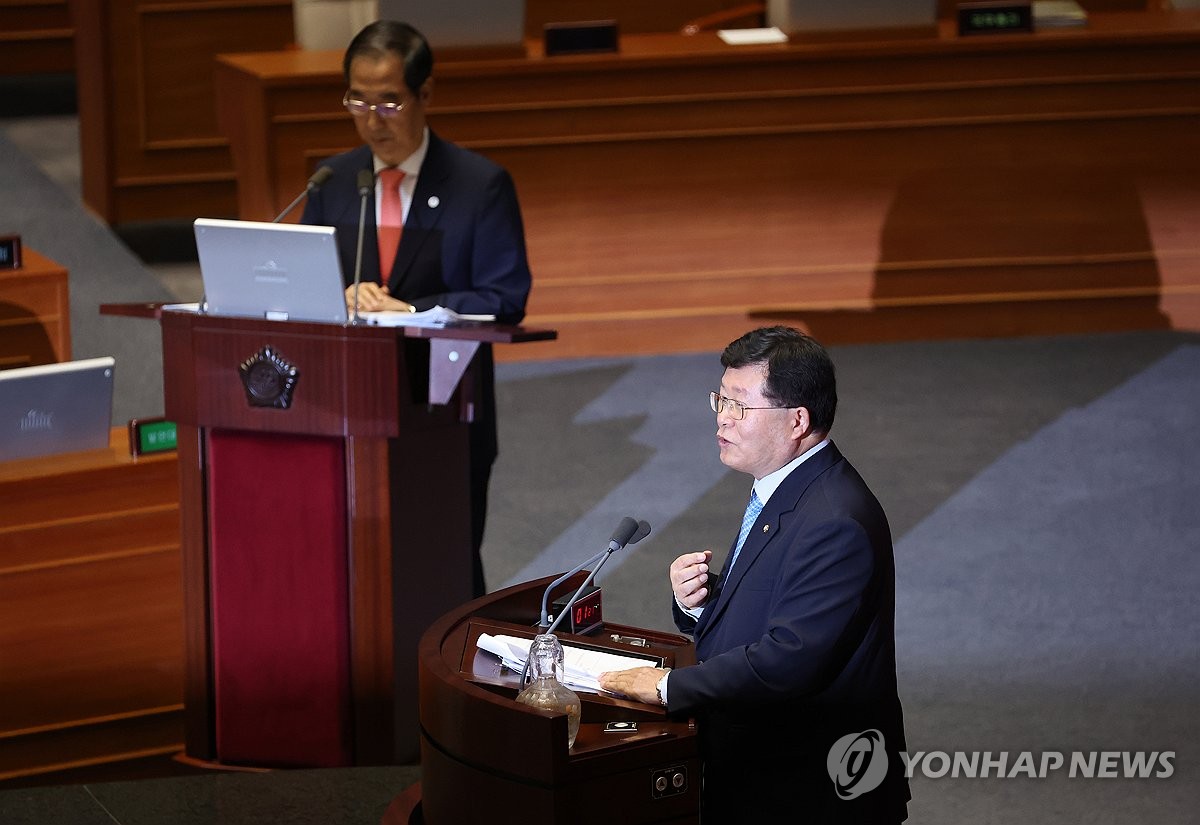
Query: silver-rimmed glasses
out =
(360, 108)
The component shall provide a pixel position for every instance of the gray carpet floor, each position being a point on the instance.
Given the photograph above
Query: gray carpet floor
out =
(1042, 496)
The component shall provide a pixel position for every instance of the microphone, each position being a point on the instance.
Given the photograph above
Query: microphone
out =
(620, 537)
(366, 186)
(628, 532)
(315, 182)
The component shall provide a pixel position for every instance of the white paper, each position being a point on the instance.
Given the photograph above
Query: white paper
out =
(581, 667)
(439, 316)
(750, 37)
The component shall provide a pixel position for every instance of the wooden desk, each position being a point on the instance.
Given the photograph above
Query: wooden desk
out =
(91, 617)
(35, 313)
(683, 190)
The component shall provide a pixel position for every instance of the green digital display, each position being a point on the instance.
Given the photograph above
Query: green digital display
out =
(154, 436)
(994, 18)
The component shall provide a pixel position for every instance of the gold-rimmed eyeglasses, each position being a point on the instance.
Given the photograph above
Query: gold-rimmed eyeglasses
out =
(737, 409)
(360, 108)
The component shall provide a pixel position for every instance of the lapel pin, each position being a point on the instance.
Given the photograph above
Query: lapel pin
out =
(434, 201)
(766, 528)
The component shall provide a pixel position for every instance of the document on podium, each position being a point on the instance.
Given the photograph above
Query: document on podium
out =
(581, 666)
(439, 316)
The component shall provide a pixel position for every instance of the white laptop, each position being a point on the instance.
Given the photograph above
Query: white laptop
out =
(56, 408)
(277, 271)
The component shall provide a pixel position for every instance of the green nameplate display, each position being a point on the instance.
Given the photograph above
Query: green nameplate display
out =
(151, 435)
(994, 17)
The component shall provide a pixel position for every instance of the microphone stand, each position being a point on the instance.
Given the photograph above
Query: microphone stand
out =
(315, 182)
(603, 556)
(366, 183)
(571, 601)
(545, 620)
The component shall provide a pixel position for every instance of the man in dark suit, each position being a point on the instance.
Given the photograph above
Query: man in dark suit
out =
(794, 691)
(447, 218)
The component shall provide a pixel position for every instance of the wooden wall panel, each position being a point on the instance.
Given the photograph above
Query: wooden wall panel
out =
(150, 144)
(91, 634)
(36, 37)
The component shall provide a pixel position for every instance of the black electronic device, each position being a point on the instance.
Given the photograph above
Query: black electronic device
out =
(588, 37)
(586, 614)
(10, 252)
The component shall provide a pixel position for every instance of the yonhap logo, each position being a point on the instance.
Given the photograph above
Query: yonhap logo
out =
(857, 763)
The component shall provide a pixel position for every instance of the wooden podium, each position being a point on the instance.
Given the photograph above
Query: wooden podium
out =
(480, 748)
(324, 505)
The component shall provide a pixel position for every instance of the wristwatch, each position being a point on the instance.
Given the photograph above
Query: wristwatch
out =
(661, 686)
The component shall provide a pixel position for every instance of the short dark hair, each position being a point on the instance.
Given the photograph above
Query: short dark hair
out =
(384, 37)
(799, 371)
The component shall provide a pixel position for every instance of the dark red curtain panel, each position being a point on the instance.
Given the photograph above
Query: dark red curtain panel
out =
(280, 617)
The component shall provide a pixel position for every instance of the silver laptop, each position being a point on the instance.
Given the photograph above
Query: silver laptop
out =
(277, 271)
(55, 408)
(461, 23)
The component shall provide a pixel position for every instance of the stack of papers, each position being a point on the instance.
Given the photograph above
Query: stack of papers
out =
(752, 37)
(580, 667)
(437, 317)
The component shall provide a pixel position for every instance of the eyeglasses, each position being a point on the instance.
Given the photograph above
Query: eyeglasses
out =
(737, 409)
(360, 108)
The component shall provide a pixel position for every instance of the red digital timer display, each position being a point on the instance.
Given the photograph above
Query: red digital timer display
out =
(587, 613)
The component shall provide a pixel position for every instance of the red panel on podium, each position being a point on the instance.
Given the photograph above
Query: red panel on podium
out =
(280, 638)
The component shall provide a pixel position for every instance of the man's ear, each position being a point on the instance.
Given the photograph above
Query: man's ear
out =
(801, 423)
(426, 91)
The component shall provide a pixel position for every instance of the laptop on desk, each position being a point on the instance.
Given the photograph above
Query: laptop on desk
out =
(56, 408)
(276, 271)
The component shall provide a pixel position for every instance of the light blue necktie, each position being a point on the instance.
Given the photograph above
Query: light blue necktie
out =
(752, 510)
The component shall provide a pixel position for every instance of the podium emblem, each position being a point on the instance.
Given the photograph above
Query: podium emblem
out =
(268, 379)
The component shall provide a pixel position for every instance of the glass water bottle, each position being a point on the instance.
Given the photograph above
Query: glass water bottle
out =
(546, 689)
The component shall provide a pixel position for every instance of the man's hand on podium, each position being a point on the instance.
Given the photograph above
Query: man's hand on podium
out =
(639, 683)
(374, 298)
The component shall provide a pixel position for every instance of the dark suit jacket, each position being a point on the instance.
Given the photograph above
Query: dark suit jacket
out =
(796, 650)
(463, 247)
(463, 244)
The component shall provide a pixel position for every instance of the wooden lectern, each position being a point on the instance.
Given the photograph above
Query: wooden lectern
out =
(324, 504)
(480, 750)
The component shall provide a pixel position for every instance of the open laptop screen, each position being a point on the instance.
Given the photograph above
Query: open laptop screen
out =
(56, 408)
(281, 272)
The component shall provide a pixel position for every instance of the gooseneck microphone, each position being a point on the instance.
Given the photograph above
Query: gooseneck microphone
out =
(628, 532)
(366, 187)
(315, 182)
(621, 537)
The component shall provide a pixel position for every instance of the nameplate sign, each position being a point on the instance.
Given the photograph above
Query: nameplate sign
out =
(994, 18)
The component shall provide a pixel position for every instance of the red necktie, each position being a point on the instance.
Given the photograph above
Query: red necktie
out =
(391, 220)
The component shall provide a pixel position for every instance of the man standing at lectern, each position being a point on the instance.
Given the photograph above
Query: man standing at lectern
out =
(443, 226)
(794, 692)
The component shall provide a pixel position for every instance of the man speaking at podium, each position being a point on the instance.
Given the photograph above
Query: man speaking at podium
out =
(442, 225)
(795, 687)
